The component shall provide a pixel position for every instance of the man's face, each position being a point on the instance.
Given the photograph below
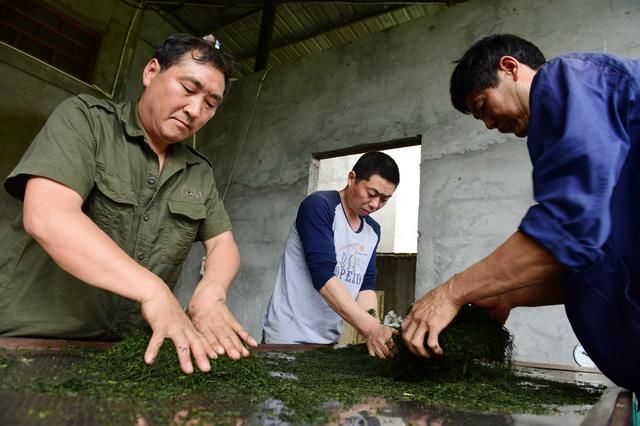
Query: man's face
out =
(178, 101)
(368, 196)
(505, 107)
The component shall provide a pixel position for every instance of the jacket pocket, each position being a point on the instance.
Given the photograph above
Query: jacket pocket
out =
(111, 205)
(180, 230)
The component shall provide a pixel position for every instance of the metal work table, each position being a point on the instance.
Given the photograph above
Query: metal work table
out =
(44, 357)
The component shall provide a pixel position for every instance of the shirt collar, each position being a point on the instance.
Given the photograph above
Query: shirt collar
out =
(128, 114)
(130, 119)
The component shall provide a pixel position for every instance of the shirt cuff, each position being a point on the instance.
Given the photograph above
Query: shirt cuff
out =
(566, 248)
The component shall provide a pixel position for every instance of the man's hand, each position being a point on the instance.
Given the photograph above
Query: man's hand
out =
(380, 341)
(163, 313)
(208, 308)
(429, 316)
(211, 317)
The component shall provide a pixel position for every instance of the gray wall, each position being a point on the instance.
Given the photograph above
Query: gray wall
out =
(475, 184)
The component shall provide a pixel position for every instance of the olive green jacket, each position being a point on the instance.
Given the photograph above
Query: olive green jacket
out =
(98, 148)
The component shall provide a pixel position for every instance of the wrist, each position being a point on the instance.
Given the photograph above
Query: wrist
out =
(150, 290)
(369, 325)
(212, 291)
(455, 290)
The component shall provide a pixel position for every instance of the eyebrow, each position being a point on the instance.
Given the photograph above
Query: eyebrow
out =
(381, 193)
(200, 86)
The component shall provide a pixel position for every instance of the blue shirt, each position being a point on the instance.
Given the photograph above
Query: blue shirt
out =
(321, 245)
(583, 138)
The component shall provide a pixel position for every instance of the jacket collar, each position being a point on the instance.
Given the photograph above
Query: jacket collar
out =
(130, 119)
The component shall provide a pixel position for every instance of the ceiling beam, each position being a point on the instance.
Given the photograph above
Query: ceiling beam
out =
(266, 34)
(324, 31)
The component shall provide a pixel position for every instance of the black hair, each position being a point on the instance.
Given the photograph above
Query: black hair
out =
(173, 48)
(377, 163)
(478, 68)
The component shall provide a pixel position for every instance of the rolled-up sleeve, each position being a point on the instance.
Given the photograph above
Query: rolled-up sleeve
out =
(578, 145)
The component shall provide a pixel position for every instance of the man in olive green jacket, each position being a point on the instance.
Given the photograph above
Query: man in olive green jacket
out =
(111, 204)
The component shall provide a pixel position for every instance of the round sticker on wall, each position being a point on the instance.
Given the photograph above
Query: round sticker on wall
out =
(581, 357)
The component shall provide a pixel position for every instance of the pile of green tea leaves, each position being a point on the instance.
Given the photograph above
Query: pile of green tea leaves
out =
(305, 382)
(472, 338)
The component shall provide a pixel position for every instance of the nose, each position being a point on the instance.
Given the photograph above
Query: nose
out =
(374, 204)
(489, 122)
(193, 108)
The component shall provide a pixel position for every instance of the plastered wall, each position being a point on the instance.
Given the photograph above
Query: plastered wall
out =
(475, 184)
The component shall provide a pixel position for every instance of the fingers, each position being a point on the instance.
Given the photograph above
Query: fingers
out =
(155, 343)
(245, 336)
(224, 333)
(413, 334)
(188, 345)
(390, 348)
(200, 354)
(378, 350)
(432, 341)
(381, 345)
(240, 333)
(184, 355)
(233, 347)
(224, 340)
(416, 341)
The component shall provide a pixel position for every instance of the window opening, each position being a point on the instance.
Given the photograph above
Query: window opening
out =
(49, 35)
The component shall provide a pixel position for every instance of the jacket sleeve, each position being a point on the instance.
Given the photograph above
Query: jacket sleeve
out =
(578, 145)
(314, 223)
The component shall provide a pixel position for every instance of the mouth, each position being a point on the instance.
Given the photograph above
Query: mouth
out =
(181, 123)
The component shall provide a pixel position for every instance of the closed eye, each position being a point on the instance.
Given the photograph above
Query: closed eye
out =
(188, 89)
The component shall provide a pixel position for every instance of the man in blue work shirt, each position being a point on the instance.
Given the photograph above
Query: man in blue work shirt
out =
(578, 244)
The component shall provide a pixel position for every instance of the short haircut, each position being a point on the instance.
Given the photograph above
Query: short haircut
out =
(377, 163)
(478, 68)
(173, 48)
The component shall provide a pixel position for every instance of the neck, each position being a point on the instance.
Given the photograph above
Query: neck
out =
(352, 217)
(160, 149)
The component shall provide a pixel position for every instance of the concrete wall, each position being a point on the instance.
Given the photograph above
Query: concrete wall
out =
(475, 184)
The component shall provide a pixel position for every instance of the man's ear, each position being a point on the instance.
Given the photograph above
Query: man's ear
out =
(351, 177)
(150, 71)
(509, 65)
